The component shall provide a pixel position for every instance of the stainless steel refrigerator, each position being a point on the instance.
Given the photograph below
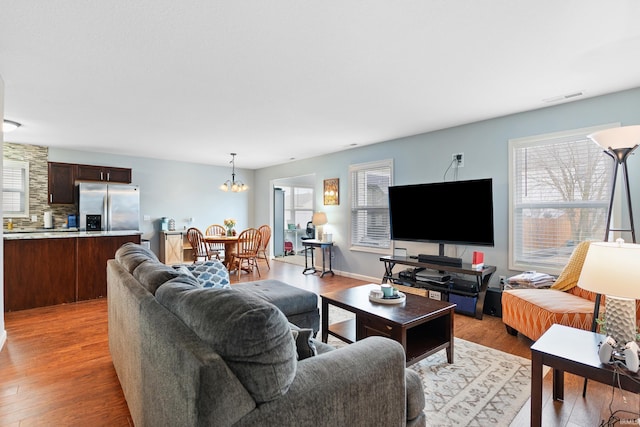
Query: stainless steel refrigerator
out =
(108, 207)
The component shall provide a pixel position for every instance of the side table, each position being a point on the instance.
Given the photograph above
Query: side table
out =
(313, 243)
(572, 350)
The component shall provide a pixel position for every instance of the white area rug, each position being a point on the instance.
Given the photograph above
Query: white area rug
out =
(482, 387)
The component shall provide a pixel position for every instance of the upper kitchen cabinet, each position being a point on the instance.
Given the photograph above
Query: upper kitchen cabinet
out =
(103, 173)
(61, 183)
(63, 177)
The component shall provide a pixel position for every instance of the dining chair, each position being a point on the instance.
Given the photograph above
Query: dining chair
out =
(247, 250)
(265, 236)
(216, 230)
(198, 245)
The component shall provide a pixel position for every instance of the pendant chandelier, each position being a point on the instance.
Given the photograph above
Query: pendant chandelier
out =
(233, 185)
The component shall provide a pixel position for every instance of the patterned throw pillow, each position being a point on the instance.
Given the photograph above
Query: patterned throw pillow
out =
(211, 274)
(571, 272)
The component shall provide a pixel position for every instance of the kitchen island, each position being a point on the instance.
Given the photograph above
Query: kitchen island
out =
(43, 268)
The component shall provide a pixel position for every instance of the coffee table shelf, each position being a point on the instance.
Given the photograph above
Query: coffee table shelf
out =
(345, 330)
(423, 326)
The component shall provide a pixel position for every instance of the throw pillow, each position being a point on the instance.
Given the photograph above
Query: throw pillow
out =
(304, 344)
(568, 279)
(211, 274)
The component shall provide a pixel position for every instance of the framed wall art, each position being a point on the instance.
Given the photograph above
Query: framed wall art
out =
(331, 191)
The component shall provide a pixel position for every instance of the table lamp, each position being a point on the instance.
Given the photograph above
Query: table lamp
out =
(611, 269)
(319, 219)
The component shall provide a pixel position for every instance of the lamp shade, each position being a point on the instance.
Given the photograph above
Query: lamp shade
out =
(612, 269)
(319, 218)
(620, 137)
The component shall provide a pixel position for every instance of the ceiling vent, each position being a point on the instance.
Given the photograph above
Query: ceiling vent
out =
(563, 97)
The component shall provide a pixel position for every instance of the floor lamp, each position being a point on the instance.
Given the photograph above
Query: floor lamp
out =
(618, 143)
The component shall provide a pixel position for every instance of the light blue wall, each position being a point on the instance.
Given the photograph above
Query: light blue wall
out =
(182, 190)
(425, 157)
(177, 190)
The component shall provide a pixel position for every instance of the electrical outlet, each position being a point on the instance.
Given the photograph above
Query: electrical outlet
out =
(503, 280)
(460, 158)
(34, 218)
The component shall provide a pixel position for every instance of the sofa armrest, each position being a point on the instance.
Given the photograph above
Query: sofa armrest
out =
(363, 383)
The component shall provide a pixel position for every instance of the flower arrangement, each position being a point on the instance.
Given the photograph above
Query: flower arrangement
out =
(229, 223)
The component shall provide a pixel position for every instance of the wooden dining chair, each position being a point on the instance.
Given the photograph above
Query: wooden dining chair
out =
(216, 230)
(247, 250)
(198, 245)
(265, 236)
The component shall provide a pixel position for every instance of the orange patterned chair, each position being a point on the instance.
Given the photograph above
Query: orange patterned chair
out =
(532, 311)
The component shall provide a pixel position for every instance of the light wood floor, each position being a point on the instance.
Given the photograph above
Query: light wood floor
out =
(55, 368)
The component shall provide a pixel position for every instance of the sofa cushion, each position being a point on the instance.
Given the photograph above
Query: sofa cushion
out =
(151, 274)
(211, 274)
(532, 311)
(250, 334)
(131, 255)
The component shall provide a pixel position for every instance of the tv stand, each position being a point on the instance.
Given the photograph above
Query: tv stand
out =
(478, 289)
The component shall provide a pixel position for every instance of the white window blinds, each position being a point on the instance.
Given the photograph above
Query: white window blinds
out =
(15, 188)
(559, 192)
(370, 204)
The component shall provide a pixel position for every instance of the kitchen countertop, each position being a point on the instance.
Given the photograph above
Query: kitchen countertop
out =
(61, 233)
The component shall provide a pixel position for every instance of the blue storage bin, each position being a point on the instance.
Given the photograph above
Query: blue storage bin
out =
(464, 304)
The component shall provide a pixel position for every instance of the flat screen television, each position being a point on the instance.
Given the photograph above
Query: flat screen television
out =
(454, 212)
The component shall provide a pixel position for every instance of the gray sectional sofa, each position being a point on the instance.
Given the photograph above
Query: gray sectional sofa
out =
(192, 356)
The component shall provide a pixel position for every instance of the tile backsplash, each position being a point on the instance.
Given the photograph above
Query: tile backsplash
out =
(37, 156)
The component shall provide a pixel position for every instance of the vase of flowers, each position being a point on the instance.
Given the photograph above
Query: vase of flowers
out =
(229, 223)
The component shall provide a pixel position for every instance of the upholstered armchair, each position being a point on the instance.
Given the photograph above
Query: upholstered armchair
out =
(532, 311)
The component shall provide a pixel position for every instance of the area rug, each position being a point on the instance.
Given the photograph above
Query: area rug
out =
(482, 387)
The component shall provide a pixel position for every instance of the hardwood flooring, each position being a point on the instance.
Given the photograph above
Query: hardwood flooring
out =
(56, 370)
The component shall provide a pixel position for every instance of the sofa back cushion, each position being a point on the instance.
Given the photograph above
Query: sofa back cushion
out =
(251, 335)
(151, 274)
(130, 255)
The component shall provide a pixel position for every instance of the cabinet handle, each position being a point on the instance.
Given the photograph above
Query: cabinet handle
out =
(108, 176)
(101, 176)
(51, 198)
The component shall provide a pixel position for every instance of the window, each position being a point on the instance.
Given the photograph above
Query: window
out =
(370, 206)
(15, 189)
(559, 195)
(298, 205)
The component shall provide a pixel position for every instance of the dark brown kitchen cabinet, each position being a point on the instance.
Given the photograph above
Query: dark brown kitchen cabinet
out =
(103, 173)
(61, 183)
(92, 270)
(63, 176)
(39, 272)
(66, 269)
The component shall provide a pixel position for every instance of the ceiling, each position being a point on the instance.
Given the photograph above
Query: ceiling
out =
(281, 79)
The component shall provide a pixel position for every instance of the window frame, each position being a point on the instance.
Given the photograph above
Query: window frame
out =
(386, 248)
(24, 192)
(514, 260)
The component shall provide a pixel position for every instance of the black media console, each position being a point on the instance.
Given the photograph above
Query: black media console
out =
(444, 280)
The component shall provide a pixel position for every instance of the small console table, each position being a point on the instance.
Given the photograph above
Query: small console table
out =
(482, 277)
(310, 244)
(572, 350)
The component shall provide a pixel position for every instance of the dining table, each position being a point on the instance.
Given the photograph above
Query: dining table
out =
(229, 242)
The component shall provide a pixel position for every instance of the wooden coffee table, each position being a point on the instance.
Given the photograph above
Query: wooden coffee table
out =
(423, 326)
